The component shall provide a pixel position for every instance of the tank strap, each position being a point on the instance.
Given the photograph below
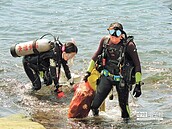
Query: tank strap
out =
(130, 39)
(34, 47)
(106, 40)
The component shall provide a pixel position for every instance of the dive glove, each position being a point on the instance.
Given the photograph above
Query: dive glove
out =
(60, 94)
(71, 81)
(86, 76)
(137, 90)
(89, 69)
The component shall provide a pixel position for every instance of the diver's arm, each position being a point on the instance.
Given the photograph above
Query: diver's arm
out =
(95, 56)
(66, 69)
(132, 51)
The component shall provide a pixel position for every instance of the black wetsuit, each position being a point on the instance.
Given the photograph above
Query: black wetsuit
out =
(35, 63)
(111, 55)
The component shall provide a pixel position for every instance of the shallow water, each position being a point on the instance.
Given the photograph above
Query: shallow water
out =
(149, 21)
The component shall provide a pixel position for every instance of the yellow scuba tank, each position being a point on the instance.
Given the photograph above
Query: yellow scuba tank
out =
(31, 47)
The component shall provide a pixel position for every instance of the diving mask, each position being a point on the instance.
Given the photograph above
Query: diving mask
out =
(115, 32)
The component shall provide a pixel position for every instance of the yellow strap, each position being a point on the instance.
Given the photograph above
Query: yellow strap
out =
(41, 74)
(128, 110)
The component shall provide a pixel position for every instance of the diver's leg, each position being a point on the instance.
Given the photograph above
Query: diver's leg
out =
(123, 95)
(47, 78)
(32, 74)
(102, 91)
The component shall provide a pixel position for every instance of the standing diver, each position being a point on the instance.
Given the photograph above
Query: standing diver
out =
(117, 60)
(47, 63)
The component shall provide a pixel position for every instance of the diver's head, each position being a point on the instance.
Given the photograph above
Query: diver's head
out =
(116, 32)
(69, 50)
(115, 25)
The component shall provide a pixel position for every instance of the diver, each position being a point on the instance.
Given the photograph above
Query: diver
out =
(49, 63)
(118, 62)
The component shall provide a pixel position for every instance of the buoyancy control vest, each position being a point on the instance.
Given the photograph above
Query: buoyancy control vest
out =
(111, 57)
(115, 59)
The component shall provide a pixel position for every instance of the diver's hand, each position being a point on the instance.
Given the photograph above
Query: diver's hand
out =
(56, 88)
(71, 81)
(87, 74)
(137, 90)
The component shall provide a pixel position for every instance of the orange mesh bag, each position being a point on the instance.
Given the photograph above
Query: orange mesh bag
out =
(81, 102)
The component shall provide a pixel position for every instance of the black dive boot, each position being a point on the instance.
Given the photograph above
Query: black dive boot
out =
(95, 112)
(36, 87)
(125, 116)
(36, 84)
